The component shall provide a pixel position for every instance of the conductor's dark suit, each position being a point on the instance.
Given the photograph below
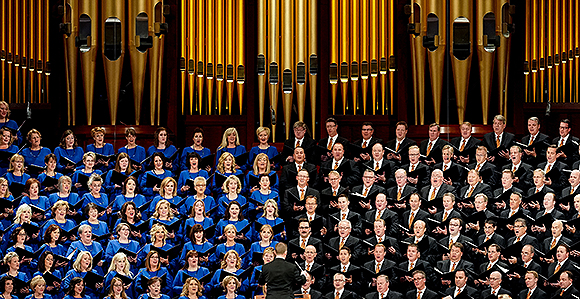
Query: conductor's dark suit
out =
(281, 278)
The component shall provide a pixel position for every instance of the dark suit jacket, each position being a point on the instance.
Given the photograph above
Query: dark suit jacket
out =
(391, 295)
(311, 241)
(483, 267)
(372, 193)
(307, 143)
(353, 243)
(540, 154)
(407, 190)
(350, 179)
(479, 188)
(463, 264)
(387, 241)
(292, 196)
(391, 219)
(525, 174)
(324, 141)
(387, 168)
(471, 145)
(568, 265)
(439, 216)
(281, 277)
(316, 233)
(319, 273)
(489, 140)
(392, 144)
(571, 155)
(423, 181)
(420, 262)
(471, 291)
(525, 241)
(489, 173)
(559, 183)
(497, 239)
(544, 190)
(442, 190)
(314, 294)
(537, 294)
(387, 265)
(427, 295)
(566, 191)
(374, 140)
(428, 248)
(497, 192)
(346, 294)
(457, 180)
(568, 293)
(486, 293)
(353, 217)
(327, 196)
(289, 173)
(420, 215)
(435, 152)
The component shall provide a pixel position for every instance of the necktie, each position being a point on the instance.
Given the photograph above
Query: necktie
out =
(366, 192)
(412, 168)
(528, 296)
(411, 266)
(398, 145)
(497, 141)
(297, 143)
(343, 269)
(548, 168)
(307, 267)
(343, 216)
(399, 194)
(514, 170)
(329, 146)
(478, 167)
(418, 294)
(303, 290)
(453, 267)
(310, 218)
(562, 293)
(337, 296)
(303, 244)
(445, 168)
(335, 166)
(557, 268)
(333, 192)
(341, 244)
(377, 166)
(301, 194)
(382, 296)
(517, 240)
(457, 292)
(531, 141)
(462, 146)
(489, 266)
(445, 216)
(470, 191)
(299, 167)
(450, 243)
(411, 218)
(380, 239)
(433, 194)
(486, 239)
(537, 190)
(513, 211)
(571, 190)
(429, 148)
(378, 268)
(561, 142)
(364, 144)
(378, 215)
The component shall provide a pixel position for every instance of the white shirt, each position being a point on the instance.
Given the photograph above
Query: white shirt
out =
(563, 140)
(299, 166)
(399, 143)
(375, 162)
(431, 190)
(336, 163)
(500, 136)
(299, 141)
(531, 291)
(368, 141)
(339, 292)
(464, 139)
(311, 217)
(422, 292)
(417, 240)
(331, 140)
(534, 137)
(517, 166)
(548, 164)
(343, 266)
(411, 166)
(305, 240)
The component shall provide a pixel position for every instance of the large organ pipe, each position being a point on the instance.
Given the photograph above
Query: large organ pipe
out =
(534, 51)
(156, 60)
(542, 52)
(273, 60)
(354, 53)
(230, 61)
(418, 59)
(391, 55)
(32, 46)
(313, 58)
(113, 34)
(219, 53)
(9, 49)
(344, 51)
(287, 60)
(300, 60)
(374, 51)
(563, 49)
(569, 51)
(433, 27)
(527, 55)
(46, 52)
(461, 14)
(140, 20)
(549, 48)
(576, 46)
(487, 42)
(557, 52)
(200, 54)
(188, 69)
(183, 61)
(70, 28)
(39, 48)
(209, 54)
(24, 41)
(503, 9)
(364, 54)
(334, 50)
(17, 54)
(241, 55)
(261, 59)
(87, 42)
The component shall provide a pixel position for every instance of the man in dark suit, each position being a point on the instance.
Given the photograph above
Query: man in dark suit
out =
(431, 147)
(346, 167)
(536, 141)
(489, 229)
(306, 288)
(522, 171)
(280, 277)
(314, 216)
(532, 291)
(414, 213)
(455, 227)
(539, 184)
(402, 190)
(466, 144)
(305, 238)
(379, 264)
(562, 262)
(418, 173)
(495, 289)
(293, 201)
(493, 262)
(507, 184)
(345, 213)
(300, 139)
(343, 239)
(378, 236)
(453, 172)
(420, 291)
(555, 179)
(556, 237)
(566, 290)
(367, 140)
(487, 171)
(437, 189)
(455, 261)
(426, 244)
(381, 211)
(413, 262)
(520, 231)
(368, 190)
(339, 280)
(474, 186)
(328, 142)
(313, 268)
(567, 144)
(383, 291)
(447, 213)
(498, 139)
(574, 181)
(398, 146)
(461, 286)
(290, 171)
(330, 194)
(384, 169)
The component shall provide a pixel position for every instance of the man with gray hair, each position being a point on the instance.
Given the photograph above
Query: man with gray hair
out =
(383, 291)
(344, 239)
(536, 143)
(494, 288)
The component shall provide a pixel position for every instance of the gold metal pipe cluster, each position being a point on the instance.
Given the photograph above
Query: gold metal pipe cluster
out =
(212, 56)
(552, 64)
(24, 51)
(362, 50)
(488, 31)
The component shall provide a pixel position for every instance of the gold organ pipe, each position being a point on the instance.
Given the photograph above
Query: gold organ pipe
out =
(461, 14)
(200, 54)
(219, 52)
(374, 51)
(383, 55)
(487, 41)
(71, 22)
(344, 51)
(39, 48)
(209, 54)
(24, 40)
(261, 59)
(563, 48)
(418, 58)
(313, 58)
(570, 52)
(241, 54)
(32, 46)
(183, 61)
(364, 54)
(140, 16)
(188, 69)
(156, 60)
(3, 49)
(549, 49)
(334, 50)
(46, 53)
(557, 57)
(300, 59)
(17, 54)
(542, 51)
(230, 61)
(433, 27)
(9, 49)
(273, 60)
(576, 48)
(391, 53)
(287, 60)
(354, 53)
(113, 36)
(89, 36)
(534, 51)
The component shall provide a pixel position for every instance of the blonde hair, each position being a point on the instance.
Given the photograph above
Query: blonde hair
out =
(261, 156)
(95, 177)
(7, 106)
(228, 180)
(118, 257)
(89, 154)
(164, 183)
(238, 262)
(223, 157)
(59, 204)
(77, 263)
(227, 133)
(61, 181)
(36, 280)
(269, 228)
(9, 256)
(263, 129)
(158, 228)
(273, 202)
(227, 280)
(13, 159)
(2, 181)
(23, 208)
(158, 205)
(193, 208)
(96, 130)
(185, 290)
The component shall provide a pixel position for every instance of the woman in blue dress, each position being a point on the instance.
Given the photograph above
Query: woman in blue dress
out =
(164, 214)
(49, 171)
(101, 148)
(232, 187)
(122, 166)
(46, 266)
(7, 211)
(136, 152)
(168, 192)
(158, 172)
(64, 193)
(123, 231)
(38, 287)
(259, 197)
(231, 284)
(161, 144)
(270, 217)
(267, 256)
(12, 260)
(28, 265)
(196, 147)
(231, 263)
(192, 289)
(76, 289)
(129, 194)
(35, 154)
(230, 234)
(226, 167)
(88, 170)
(198, 216)
(52, 240)
(23, 216)
(117, 289)
(82, 265)
(231, 144)
(158, 240)
(209, 202)
(68, 148)
(59, 212)
(234, 217)
(154, 289)
(263, 147)
(191, 173)
(265, 241)
(15, 174)
(198, 243)
(261, 167)
(119, 265)
(6, 146)
(130, 215)
(5, 121)
(32, 188)
(191, 269)
(7, 288)
(98, 227)
(95, 196)
(152, 269)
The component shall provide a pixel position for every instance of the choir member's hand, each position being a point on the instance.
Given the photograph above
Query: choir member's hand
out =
(156, 188)
(432, 210)
(290, 159)
(184, 188)
(510, 226)
(445, 282)
(548, 181)
(448, 181)
(530, 153)
(512, 260)
(565, 207)
(392, 250)
(368, 231)
(208, 168)
(504, 154)
(365, 157)
(430, 162)
(168, 165)
(561, 155)
(445, 257)
(100, 263)
(571, 229)
(323, 231)
(516, 180)
(381, 177)
(333, 204)
(164, 260)
(171, 235)
(294, 255)
(365, 205)
(464, 159)
(413, 180)
(500, 205)
(298, 208)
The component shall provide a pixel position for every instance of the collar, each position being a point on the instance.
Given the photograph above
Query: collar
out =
(306, 291)
(434, 141)
(454, 239)
(379, 161)
(367, 140)
(465, 139)
(305, 188)
(300, 140)
(534, 136)
(448, 164)
(305, 239)
(301, 165)
(344, 239)
(532, 290)
(564, 139)
(339, 292)
(342, 266)
(498, 136)
(335, 162)
(517, 166)
(417, 240)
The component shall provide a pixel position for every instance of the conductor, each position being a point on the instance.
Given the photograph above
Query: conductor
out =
(280, 277)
